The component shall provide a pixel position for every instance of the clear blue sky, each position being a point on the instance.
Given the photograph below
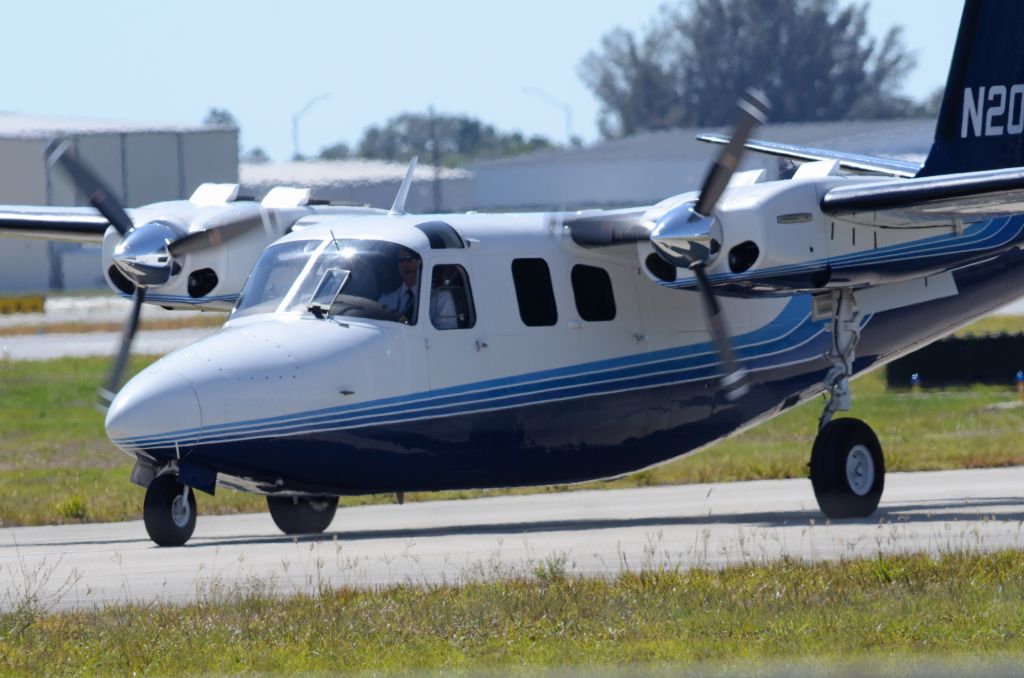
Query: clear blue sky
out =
(147, 61)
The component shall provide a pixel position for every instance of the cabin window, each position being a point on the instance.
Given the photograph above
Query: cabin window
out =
(592, 288)
(536, 297)
(451, 303)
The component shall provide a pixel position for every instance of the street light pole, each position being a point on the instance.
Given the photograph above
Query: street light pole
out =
(557, 103)
(295, 121)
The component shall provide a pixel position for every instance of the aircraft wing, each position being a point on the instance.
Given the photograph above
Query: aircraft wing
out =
(75, 224)
(930, 201)
(849, 161)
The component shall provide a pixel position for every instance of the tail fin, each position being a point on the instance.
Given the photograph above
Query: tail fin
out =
(981, 122)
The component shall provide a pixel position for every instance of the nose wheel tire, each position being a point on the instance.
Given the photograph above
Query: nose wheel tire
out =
(302, 515)
(169, 516)
(847, 469)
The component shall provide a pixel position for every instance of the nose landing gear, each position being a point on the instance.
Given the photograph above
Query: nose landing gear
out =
(169, 511)
(847, 465)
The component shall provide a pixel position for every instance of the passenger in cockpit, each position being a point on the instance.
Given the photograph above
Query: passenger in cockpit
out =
(403, 300)
(443, 314)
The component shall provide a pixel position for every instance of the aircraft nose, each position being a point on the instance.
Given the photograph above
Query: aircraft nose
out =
(156, 408)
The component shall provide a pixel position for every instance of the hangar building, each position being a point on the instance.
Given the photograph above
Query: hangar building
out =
(637, 170)
(645, 168)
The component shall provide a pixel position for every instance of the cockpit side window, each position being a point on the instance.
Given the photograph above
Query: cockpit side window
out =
(451, 302)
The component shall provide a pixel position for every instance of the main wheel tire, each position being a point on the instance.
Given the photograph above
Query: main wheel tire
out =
(302, 515)
(169, 519)
(847, 469)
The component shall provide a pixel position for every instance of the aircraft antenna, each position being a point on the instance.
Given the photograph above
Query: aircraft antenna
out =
(403, 191)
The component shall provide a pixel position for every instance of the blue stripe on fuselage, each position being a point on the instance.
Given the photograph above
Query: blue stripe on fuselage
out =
(787, 338)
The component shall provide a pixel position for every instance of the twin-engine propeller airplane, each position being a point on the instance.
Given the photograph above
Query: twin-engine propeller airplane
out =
(372, 351)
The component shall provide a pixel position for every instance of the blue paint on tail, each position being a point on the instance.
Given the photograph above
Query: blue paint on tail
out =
(981, 122)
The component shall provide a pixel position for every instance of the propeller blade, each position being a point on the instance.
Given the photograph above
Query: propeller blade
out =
(215, 233)
(89, 183)
(734, 381)
(753, 107)
(107, 393)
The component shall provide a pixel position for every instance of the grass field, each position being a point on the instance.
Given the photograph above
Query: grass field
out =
(738, 619)
(889, 612)
(57, 466)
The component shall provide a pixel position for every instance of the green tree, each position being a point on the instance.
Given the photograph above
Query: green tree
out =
(221, 117)
(814, 59)
(932, 103)
(458, 138)
(338, 151)
(255, 156)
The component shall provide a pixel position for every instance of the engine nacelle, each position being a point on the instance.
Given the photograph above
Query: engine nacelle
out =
(776, 240)
(197, 253)
(208, 278)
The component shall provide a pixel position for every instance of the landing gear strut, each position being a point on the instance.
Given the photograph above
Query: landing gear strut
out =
(302, 515)
(169, 511)
(847, 464)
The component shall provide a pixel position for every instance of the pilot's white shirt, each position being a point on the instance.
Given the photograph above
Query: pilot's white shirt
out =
(442, 306)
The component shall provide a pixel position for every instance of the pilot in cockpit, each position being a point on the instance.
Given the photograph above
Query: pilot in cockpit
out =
(403, 300)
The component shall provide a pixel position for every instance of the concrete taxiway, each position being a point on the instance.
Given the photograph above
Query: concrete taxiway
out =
(589, 532)
(78, 345)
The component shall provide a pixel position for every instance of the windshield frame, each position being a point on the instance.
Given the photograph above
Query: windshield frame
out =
(289, 298)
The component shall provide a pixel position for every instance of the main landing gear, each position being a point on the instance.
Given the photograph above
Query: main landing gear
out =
(847, 465)
(302, 515)
(169, 511)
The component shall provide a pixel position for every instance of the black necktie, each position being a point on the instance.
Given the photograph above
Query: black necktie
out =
(410, 305)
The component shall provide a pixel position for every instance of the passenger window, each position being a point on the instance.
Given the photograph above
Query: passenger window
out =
(592, 288)
(536, 297)
(451, 303)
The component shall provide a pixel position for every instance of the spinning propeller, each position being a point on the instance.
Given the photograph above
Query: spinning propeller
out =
(689, 235)
(148, 254)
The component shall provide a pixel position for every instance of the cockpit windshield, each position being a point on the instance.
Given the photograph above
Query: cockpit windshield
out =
(360, 278)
